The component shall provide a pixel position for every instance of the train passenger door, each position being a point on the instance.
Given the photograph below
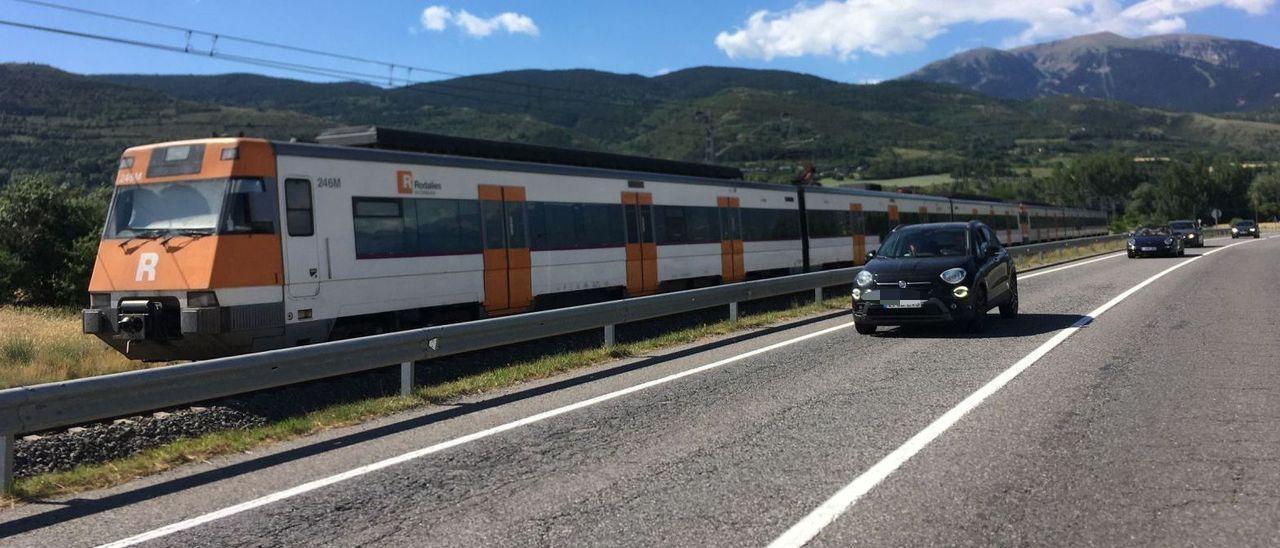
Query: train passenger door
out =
(731, 266)
(859, 235)
(924, 214)
(302, 252)
(642, 252)
(508, 287)
(893, 217)
(1024, 223)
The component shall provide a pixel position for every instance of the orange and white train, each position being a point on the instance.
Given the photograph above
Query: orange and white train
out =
(222, 246)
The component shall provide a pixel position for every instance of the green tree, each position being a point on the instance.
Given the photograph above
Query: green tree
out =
(49, 240)
(1264, 194)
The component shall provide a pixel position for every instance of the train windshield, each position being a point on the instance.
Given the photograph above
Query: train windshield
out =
(191, 207)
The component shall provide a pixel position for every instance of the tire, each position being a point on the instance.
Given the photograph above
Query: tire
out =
(1009, 310)
(863, 328)
(978, 323)
(1132, 255)
(1182, 252)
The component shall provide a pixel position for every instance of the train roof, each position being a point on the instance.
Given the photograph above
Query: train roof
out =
(432, 143)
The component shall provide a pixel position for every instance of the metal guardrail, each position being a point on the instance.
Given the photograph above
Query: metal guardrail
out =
(46, 406)
(53, 405)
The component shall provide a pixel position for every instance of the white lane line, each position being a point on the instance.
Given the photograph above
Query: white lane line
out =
(323, 482)
(1072, 265)
(804, 530)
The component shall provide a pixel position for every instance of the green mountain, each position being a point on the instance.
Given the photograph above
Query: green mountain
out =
(769, 121)
(1176, 71)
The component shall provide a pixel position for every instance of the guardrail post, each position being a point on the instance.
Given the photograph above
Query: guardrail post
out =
(608, 335)
(407, 379)
(817, 295)
(733, 311)
(6, 462)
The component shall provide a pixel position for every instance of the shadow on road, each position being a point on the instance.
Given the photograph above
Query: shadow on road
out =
(1025, 325)
(78, 508)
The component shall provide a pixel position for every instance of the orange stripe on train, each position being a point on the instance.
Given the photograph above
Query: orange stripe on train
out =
(210, 262)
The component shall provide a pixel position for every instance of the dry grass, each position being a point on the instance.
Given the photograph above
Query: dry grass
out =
(39, 345)
(1064, 255)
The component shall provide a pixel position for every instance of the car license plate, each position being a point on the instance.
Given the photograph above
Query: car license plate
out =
(1148, 249)
(904, 304)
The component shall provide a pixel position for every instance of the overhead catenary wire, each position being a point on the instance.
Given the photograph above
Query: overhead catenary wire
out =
(585, 96)
(345, 75)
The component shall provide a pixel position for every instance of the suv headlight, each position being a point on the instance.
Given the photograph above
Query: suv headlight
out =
(953, 275)
(1234, 229)
(864, 278)
(1168, 241)
(201, 299)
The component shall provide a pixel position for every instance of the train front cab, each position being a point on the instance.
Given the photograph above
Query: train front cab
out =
(189, 265)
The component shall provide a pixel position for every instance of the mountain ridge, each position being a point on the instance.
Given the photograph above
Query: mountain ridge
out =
(1184, 72)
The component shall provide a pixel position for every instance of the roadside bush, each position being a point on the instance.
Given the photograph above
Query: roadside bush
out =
(48, 241)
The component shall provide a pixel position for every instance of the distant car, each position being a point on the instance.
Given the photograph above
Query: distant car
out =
(935, 272)
(1244, 229)
(1155, 241)
(1189, 232)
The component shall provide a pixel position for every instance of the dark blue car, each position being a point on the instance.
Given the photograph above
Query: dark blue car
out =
(1155, 241)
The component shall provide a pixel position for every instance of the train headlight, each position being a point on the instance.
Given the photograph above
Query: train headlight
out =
(953, 275)
(202, 299)
(864, 278)
(99, 300)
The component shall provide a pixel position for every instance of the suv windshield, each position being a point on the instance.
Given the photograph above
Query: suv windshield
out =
(1183, 225)
(949, 241)
(1245, 223)
(237, 206)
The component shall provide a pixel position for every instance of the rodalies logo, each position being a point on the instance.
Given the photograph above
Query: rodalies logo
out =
(406, 184)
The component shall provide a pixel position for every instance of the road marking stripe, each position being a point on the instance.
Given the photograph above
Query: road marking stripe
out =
(808, 527)
(1072, 265)
(323, 482)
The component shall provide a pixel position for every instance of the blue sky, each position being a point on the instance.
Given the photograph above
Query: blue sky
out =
(845, 40)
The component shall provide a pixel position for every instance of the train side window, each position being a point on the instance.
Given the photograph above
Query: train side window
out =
(250, 208)
(297, 207)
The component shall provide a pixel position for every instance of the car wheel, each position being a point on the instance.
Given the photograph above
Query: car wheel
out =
(1009, 310)
(1182, 252)
(1131, 255)
(978, 323)
(864, 328)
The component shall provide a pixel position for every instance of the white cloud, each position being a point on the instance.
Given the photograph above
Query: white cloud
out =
(438, 18)
(662, 71)
(435, 18)
(846, 28)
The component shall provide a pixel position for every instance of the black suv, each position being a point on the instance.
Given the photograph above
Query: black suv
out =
(1189, 232)
(1244, 229)
(935, 272)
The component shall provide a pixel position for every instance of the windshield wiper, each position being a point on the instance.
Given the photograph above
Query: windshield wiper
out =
(193, 233)
(149, 234)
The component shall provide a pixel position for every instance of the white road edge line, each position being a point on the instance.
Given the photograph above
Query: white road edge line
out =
(809, 527)
(356, 472)
(1072, 265)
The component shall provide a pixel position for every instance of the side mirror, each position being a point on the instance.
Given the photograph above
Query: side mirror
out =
(984, 249)
(871, 254)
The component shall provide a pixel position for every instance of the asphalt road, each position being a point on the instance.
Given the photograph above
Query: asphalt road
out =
(1156, 425)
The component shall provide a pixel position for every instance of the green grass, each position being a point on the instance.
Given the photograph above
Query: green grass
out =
(202, 448)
